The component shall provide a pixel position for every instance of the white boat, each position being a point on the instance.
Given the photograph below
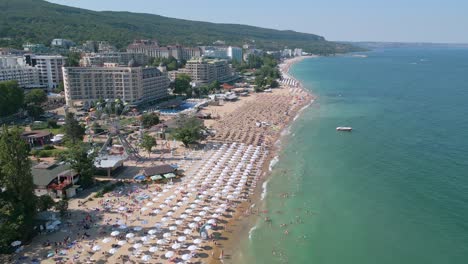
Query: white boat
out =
(347, 129)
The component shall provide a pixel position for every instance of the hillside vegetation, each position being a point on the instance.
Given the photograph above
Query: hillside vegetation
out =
(39, 21)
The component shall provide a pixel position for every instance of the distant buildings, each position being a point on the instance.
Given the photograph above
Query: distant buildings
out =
(206, 71)
(35, 48)
(152, 49)
(235, 53)
(26, 76)
(120, 58)
(287, 53)
(225, 53)
(297, 52)
(84, 85)
(62, 43)
(92, 46)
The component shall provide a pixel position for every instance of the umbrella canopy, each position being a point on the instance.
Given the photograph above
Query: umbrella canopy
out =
(187, 231)
(161, 242)
(176, 246)
(172, 228)
(144, 239)
(153, 249)
(181, 238)
(121, 242)
(112, 251)
(192, 248)
(122, 227)
(156, 177)
(130, 235)
(197, 241)
(106, 240)
(146, 258)
(152, 232)
(166, 235)
(186, 257)
(137, 246)
(137, 228)
(115, 233)
(169, 254)
(96, 248)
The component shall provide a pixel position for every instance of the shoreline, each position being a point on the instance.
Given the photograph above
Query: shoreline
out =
(248, 213)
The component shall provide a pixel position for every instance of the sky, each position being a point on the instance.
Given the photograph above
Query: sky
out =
(339, 20)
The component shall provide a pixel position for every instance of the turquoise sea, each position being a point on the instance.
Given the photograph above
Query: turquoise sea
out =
(395, 190)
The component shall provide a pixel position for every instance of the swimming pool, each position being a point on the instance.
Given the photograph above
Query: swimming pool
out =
(182, 107)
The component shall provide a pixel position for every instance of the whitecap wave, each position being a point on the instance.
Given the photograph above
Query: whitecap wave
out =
(273, 162)
(251, 231)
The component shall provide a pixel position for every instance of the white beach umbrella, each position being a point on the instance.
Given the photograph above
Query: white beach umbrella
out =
(164, 219)
(183, 216)
(186, 257)
(153, 249)
(115, 233)
(211, 221)
(192, 248)
(149, 204)
(122, 227)
(144, 238)
(144, 209)
(121, 242)
(197, 241)
(169, 213)
(137, 246)
(96, 248)
(106, 240)
(197, 219)
(167, 235)
(156, 211)
(162, 206)
(152, 232)
(112, 251)
(208, 227)
(181, 238)
(146, 258)
(122, 208)
(202, 213)
(187, 231)
(173, 228)
(158, 226)
(169, 254)
(130, 235)
(179, 222)
(155, 199)
(192, 225)
(138, 228)
(161, 242)
(175, 246)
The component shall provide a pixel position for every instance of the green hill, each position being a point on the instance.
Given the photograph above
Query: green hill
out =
(39, 21)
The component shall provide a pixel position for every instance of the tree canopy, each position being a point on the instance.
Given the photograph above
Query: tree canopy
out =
(148, 143)
(81, 161)
(35, 96)
(11, 98)
(73, 130)
(149, 119)
(189, 130)
(182, 85)
(17, 199)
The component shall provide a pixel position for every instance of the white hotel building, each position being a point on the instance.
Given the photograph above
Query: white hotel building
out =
(135, 85)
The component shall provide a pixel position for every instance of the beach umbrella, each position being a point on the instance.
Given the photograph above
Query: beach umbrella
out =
(169, 254)
(187, 231)
(137, 228)
(154, 199)
(197, 219)
(152, 232)
(130, 235)
(176, 246)
(161, 242)
(144, 209)
(183, 216)
(192, 248)
(197, 241)
(146, 258)
(137, 246)
(178, 222)
(122, 227)
(167, 235)
(149, 204)
(186, 257)
(112, 251)
(121, 242)
(15, 243)
(173, 228)
(96, 248)
(189, 211)
(156, 211)
(211, 221)
(208, 227)
(202, 213)
(192, 225)
(215, 215)
(106, 240)
(158, 226)
(115, 233)
(164, 219)
(219, 210)
(122, 208)
(162, 206)
(144, 239)
(169, 213)
(181, 238)
(153, 249)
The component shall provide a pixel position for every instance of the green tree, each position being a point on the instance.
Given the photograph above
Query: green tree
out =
(34, 111)
(72, 128)
(149, 120)
(44, 203)
(148, 143)
(189, 130)
(60, 88)
(17, 199)
(11, 98)
(62, 207)
(182, 85)
(82, 162)
(73, 59)
(35, 97)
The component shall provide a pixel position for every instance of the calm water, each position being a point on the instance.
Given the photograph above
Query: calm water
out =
(395, 190)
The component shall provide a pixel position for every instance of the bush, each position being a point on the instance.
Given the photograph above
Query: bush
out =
(49, 147)
(52, 123)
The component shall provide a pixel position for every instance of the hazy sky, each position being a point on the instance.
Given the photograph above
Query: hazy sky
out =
(353, 20)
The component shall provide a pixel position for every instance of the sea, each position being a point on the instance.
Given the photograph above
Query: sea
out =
(395, 189)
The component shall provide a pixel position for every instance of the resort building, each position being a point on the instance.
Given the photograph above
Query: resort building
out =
(135, 85)
(235, 53)
(206, 71)
(120, 58)
(297, 52)
(26, 76)
(152, 49)
(49, 67)
(62, 43)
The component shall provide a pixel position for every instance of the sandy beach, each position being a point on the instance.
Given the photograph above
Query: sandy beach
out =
(167, 222)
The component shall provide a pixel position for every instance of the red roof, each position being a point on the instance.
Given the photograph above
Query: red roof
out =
(227, 86)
